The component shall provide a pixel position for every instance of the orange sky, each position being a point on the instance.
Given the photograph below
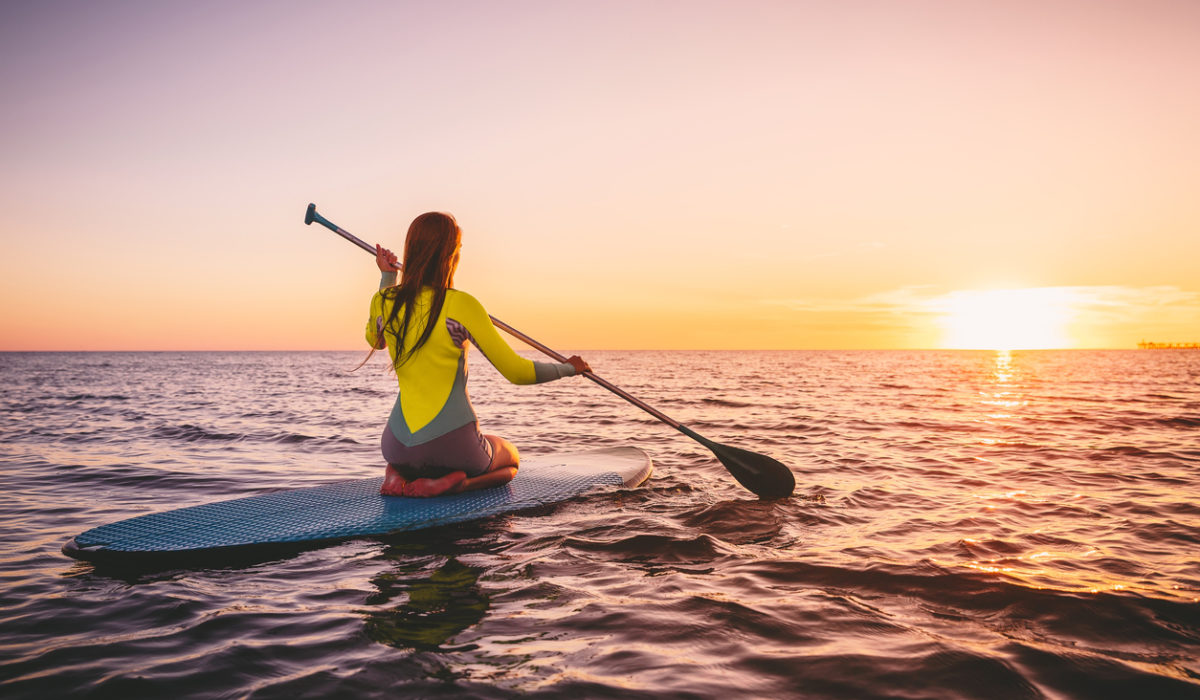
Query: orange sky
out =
(627, 174)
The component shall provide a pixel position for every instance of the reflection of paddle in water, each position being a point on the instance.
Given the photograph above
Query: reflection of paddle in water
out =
(438, 607)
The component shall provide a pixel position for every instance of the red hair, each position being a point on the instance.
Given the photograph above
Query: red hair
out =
(430, 259)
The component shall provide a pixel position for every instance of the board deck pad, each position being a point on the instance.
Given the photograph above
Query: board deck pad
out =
(354, 508)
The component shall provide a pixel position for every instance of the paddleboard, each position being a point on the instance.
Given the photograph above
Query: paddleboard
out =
(349, 509)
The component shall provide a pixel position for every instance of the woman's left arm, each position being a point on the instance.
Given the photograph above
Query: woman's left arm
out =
(375, 336)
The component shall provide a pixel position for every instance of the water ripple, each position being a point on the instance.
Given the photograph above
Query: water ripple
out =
(970, 525)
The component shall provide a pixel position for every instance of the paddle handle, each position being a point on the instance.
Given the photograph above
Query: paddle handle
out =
(311, 215)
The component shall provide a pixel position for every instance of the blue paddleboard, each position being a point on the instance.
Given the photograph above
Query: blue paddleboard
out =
(349, 509)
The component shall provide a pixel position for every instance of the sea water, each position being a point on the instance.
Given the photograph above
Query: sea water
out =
(965, 525)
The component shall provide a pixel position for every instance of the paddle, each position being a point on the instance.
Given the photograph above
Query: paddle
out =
(763, 475)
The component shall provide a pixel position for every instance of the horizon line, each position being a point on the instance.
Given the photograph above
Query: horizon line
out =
(524, 349)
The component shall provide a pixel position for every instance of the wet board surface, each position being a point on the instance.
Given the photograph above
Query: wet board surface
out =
(349, 509)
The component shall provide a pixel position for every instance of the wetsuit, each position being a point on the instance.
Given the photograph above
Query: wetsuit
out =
(432, 427)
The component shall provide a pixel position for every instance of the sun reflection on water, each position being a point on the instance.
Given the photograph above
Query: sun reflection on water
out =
(1003, 372)
(1007, 421)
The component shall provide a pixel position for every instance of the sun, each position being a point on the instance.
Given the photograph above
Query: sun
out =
(1005, 319)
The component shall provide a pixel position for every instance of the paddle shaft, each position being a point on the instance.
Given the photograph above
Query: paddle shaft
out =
(312, 215)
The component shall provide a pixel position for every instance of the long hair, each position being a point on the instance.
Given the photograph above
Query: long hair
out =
(430, 258)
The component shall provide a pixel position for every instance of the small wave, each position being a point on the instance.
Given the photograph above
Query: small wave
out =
(96, 397)
(137, 477)
(296, 438)
(726, 426)
(193, 433)
(262, 414)
(656, 549)
(999, 600)
(1155, 398)
(728, 403)
(1128, 421)
(1178, 422)
(738, 522)
(1120, 451)
(1160, 533)
(358, 391)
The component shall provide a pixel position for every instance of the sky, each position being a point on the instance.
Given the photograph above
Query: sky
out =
(628, 175)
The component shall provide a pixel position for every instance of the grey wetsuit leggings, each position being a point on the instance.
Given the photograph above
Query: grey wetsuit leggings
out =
(464, 449)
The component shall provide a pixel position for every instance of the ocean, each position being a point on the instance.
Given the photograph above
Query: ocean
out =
(965, 525)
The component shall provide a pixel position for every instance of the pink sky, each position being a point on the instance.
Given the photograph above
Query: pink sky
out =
(628, 174)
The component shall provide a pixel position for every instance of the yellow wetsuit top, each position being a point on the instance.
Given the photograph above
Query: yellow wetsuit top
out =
(433, 396)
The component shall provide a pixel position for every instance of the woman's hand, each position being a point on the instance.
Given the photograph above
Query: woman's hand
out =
(579, 364)
(385, 259)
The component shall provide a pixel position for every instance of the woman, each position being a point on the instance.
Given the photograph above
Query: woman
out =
(432, 442)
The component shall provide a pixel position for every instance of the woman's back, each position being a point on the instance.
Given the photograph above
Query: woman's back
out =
(433, 379)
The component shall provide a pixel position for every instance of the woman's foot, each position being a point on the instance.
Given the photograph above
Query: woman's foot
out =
(488, 480)
(504, 453)
(396, 485)
(392, 482)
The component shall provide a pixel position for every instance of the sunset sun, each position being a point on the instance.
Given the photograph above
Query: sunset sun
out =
(1005, 319)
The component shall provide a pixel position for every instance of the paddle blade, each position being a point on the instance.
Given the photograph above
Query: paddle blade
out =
(765, 476)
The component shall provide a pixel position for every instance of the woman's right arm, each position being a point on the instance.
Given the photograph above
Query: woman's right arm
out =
(388, 267)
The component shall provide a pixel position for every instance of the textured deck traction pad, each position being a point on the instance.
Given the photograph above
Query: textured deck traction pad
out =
(354, 508)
